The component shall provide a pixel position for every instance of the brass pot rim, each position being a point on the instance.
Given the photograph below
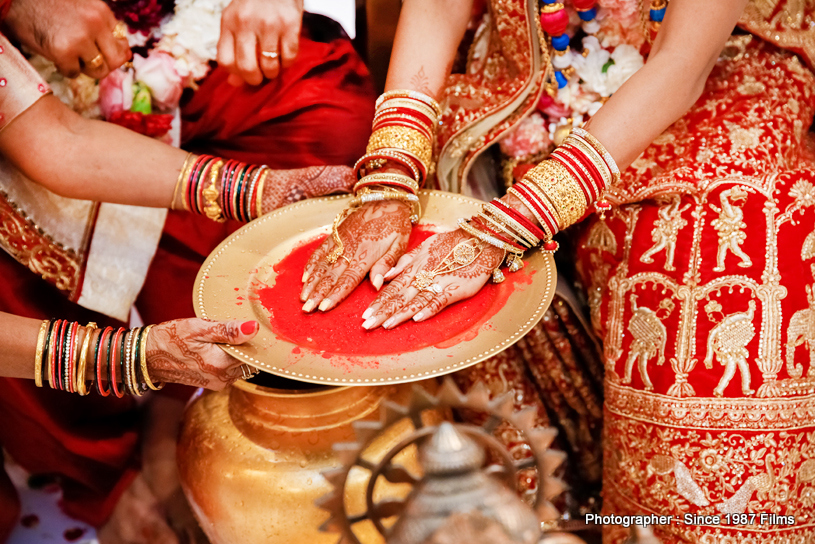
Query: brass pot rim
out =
(319, 391)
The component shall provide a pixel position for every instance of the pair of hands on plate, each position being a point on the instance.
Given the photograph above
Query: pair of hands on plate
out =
(375, 238)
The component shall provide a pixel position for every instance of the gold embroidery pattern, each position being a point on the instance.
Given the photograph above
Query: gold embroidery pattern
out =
(31, 247)
(650, 337)
(666, 229)
(728, 343)
(730, 226)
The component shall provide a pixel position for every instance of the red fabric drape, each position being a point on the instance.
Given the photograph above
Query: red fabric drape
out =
(317, 112)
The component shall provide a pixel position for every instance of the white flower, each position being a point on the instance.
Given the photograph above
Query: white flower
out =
(590, 67)
(530, 137)
(627, 60)
(191, 35)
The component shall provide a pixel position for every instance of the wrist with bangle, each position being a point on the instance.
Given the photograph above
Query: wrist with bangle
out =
(403, 135)
(557, 193)
(74, 358)
(220, 189)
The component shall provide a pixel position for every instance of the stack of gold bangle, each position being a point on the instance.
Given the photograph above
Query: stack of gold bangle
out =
(557, 193)
(404, 131)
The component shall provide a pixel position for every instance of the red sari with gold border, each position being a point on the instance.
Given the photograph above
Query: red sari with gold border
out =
(701, 284)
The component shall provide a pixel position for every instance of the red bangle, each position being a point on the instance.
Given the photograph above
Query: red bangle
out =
(71, 363)
(496, 234)
(517, 216)
(192, 184)
(406, 111)
(533, 201)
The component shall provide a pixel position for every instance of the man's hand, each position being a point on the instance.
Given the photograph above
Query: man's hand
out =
(77, 35)
(258, 36)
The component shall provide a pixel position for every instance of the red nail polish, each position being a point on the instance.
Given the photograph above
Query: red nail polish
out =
(248, 327)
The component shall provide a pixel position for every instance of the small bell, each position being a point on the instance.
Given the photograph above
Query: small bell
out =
(498, 276)
(515, 263)
(550, 246)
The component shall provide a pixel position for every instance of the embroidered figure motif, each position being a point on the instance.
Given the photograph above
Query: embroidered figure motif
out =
(728, 341)
(685, 485)
(730, 226)
(650, 336)
(801, 330)
(737, 504)
(666, 230)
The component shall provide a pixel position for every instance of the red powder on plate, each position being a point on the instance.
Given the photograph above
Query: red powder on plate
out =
(340, 331)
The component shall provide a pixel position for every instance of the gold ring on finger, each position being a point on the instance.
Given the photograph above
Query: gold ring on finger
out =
(346, 258)
(120, 31)
(96, 61)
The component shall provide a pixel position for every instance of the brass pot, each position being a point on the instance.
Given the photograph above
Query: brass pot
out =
(250, 459)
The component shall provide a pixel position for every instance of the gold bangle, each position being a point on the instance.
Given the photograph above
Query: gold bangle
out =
(181, 182)
(594, 156)
(82, 366)
(407, 93)
(211, 207)
(503, 228)
(517, 194)
(259, 196)
(487, 238)
(412, 105)
(389, 177)
(396, 156)
(134, 377)
(402, 138)
(562, 189)
(38, 353)
(389, 193)
(143, 356)
(510, 222)
(612, 165)
(582, 173)
(551, 208)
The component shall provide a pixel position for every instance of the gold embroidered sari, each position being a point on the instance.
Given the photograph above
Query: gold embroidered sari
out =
(701, 287)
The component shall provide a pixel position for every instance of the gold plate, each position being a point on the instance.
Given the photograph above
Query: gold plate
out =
(249, 255)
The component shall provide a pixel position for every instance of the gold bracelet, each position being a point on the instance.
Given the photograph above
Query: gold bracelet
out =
(503, 228)
(404, 139)
(407, 93)
(134, 378)
(551, 208)
(389, 177)
(612, 165)
(487, 238)
(82, 366)
(530, 239)
(38, 353)
(181, 182)
(562, 188)
(143, 356)
(211, 207)
(396, 156)
(261, 184)
(389, 193)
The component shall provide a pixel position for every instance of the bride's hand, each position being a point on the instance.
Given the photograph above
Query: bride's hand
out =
(285, 187)
(186, 351)
(374, 237)
(401, 300)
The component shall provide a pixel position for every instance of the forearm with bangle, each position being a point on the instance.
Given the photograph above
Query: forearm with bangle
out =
(398, 159)
(71, 357)
(556, 193)
(220, 188)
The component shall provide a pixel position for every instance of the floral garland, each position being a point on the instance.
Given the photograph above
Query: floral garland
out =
(614, 47)
(173, 43)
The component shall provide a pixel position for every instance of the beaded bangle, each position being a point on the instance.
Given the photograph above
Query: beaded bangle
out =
(486, 238)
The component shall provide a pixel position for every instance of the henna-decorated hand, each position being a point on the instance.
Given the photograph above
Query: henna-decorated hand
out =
(401, 300)
(285, 187)
(186, 351)
(374, 237)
